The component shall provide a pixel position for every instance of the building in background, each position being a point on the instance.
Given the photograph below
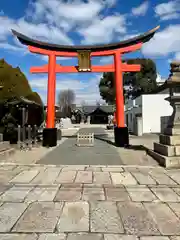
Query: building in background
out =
(149, 113)
(95, 114)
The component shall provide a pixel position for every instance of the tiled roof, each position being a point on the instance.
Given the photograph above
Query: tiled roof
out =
(89, 109)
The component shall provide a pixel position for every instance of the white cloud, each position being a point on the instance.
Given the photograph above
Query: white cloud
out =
(52, 24)
(79, 11)
(42, 31)
(37, 31)
(164, 42)
(88, 21)
(109, 3)
(141, 9)
(103, 30)
(177, 56)
(67, 14)
(169, 10)
(5, 27)
(60, 84)
(10, 47)
(52, 21)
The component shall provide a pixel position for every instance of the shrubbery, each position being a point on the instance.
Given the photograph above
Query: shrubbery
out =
(14, 87)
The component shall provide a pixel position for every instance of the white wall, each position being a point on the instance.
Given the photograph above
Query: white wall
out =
(153, 108)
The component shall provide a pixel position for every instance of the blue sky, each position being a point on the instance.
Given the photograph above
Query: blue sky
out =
(87, 22)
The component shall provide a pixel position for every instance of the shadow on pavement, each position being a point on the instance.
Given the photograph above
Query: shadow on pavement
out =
(132, 147)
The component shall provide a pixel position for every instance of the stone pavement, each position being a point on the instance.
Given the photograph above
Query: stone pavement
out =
(89, 202)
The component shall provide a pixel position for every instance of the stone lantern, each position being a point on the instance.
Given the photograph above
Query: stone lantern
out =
(167, 151)
(174, 98)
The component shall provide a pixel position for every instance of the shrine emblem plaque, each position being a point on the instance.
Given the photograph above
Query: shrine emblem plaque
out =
(84, 61)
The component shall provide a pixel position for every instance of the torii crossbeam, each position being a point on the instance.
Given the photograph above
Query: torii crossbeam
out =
(84, 54)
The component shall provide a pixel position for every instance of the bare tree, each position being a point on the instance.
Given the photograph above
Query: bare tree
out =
(66, 99)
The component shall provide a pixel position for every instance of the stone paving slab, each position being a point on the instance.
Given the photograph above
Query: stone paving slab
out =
(105, 218)
(93, 194)
(136, 219)
(15, 194)
(124, 178)
(101, 178)
(85, 236)
(82, 236)
(142, 194)
(86, 202)
(166, 194)
(174, 175)
(9, 214)
(66, 177)
(162, 178)
(42, 194)
(18, 237)
(39, 217)
(74, 218)
(25, 176)
(176, 208)
(143, 178)
(68, 194)
(167, 222)
(116, 194)
(83, 177)
(119, 237)
(48, 176)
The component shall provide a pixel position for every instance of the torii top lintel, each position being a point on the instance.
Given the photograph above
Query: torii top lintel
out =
(127, 45)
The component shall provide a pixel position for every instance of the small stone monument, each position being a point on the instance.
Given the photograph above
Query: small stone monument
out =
(167, 151)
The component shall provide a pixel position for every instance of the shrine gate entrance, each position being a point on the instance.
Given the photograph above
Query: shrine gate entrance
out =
(84, 54)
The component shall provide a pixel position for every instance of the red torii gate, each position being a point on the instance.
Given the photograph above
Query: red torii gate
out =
(84, 54)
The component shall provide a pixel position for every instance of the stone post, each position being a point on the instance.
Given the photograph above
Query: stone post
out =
(167, 150)
(174, 120)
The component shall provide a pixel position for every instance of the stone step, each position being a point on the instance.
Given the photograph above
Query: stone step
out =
(169, 140)
(167, 162)
(4, 155)
(4, 145)
(167, 150)
(172, 131)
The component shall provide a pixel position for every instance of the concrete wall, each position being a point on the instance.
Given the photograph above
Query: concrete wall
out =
(152, 107)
